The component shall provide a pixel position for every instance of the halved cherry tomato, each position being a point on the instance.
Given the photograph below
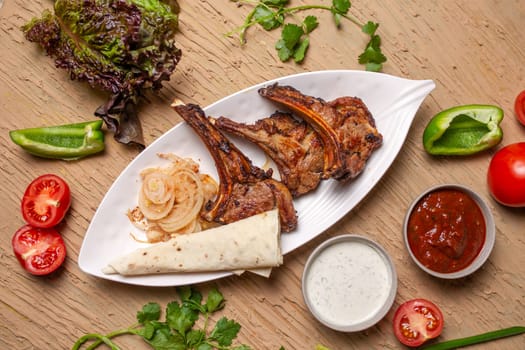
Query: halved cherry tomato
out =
(417, 321)
(46, 201)
(519, 107)
(39, 250)
(506, 175)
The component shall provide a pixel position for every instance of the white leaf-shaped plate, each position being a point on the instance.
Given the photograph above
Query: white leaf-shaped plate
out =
(393, 102)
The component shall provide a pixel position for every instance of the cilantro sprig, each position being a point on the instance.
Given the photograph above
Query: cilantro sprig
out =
(294, 41)
(179, 331)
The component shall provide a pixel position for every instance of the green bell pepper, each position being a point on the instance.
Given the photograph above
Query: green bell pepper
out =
(463, 130)
(67, 142)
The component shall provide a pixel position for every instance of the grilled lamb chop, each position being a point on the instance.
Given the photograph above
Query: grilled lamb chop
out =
(244, 189)
(292, 144)
(345, 126)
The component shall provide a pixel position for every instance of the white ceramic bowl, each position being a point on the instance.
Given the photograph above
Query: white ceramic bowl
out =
(349, 283)
(490, 233)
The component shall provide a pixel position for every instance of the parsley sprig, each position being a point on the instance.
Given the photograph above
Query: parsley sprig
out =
(294, 41)
(178, 331)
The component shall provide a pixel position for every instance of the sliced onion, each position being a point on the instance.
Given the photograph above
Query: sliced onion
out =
(158, 187)
(155, 234)
(171, 199)
(137, 219)
(154, 211)
(193, 226)
(188, 202)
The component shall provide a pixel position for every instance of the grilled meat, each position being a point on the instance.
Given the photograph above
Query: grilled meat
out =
(345, 126)
(357, 131)
(292, 144)
(244, 189)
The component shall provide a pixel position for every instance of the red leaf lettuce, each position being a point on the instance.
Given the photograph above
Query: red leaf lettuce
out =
(122, 47)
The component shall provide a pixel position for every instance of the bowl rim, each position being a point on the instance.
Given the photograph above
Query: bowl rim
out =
(490, 232)
(389, 301)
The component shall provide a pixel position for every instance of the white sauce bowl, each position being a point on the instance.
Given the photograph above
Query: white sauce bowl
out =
(349, 283)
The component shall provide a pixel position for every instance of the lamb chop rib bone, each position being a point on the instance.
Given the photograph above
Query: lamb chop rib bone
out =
(292, 144)
(244, 189)
(345, 126)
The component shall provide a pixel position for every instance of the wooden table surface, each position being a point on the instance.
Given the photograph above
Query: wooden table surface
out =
(473, 50)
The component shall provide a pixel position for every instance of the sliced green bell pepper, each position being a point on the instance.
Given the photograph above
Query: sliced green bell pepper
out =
(67, 142)
(463, 130)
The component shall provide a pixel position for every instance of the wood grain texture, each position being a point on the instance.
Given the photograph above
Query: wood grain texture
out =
(473, 50)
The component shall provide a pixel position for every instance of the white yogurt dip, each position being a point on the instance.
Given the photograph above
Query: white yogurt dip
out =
(349, 283)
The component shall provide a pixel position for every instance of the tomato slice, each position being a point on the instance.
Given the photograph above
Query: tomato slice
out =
(46, 201)
(519, 107)
(417, 321)
(40, 251)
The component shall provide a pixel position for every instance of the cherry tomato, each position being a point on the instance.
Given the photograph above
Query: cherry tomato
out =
(506, 175)
(39, 250)
(46, 201)
(417, 321)
(519, 107)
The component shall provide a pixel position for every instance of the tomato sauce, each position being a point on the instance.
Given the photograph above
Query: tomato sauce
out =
(446, 230)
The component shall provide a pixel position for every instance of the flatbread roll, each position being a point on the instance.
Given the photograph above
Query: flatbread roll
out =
(250, 243)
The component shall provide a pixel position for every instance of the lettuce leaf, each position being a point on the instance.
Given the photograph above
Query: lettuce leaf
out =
(122, 47)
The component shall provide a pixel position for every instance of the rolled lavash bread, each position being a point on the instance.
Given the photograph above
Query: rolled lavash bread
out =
(250, 243)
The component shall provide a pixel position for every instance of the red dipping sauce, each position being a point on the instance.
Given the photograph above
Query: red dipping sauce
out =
(446, 230)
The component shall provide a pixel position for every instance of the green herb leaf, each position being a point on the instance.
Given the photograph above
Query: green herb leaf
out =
(290, 41)
(195, 296)
(225, 331)
(283, 52)
(267, 18)
(180, 318)
(373, 67)
(215, 300)
(191, 299)
(300, 51)
(341, 6)
(195, 337)
(149, 312)
(310, 23)
(164, 339)
(372, 56)
(148, 331)
(372, 53)
(291, 35)
(370, 28)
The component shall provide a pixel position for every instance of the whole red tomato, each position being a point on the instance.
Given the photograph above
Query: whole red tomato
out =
(519, 107)
(506, 175)
(46, 201)
(417, 321)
